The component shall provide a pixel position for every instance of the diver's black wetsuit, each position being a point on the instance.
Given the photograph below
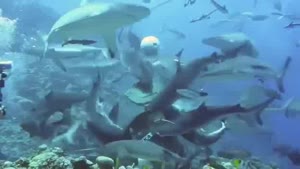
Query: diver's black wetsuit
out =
(2, 84)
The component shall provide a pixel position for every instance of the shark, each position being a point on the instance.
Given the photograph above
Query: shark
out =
(204, 16)
(54, 101)
(244, 67)
(232, 44)
(220, 8)
(292, 25)
(182, 79)
(200, 137)
(167, 124)
(94, 20)
(98, 123)
(147, 150)
(205, 114)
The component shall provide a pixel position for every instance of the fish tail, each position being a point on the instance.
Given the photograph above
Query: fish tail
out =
(44, 38)
(187, 162)
(285, 107)
(280, 79)
(45, 52)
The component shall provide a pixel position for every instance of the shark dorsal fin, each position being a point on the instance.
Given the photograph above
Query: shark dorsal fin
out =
(84, 2)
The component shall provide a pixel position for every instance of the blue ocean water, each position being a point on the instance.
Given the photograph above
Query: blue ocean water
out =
(273, 42)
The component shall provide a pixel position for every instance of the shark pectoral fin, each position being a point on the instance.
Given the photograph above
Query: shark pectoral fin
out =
(282, 74)
(160, 125)
(114, 113)
(258, 117)
(59, 63)
(110, 40)
(285, 108)
(163, 121)
(145, 87)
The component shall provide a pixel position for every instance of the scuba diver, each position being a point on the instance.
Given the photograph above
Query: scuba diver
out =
(4, 66)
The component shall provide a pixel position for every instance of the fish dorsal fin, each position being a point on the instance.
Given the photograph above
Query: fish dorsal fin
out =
(84, 2)
(178, 61)
(49, 95)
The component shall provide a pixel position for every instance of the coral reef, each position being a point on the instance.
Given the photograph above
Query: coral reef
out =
(55, 158)
(14, 142)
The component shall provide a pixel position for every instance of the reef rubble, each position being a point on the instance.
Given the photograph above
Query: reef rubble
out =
(55, 158)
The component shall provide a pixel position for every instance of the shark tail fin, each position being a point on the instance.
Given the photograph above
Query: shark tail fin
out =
(281, 76)
(44, 38)
(285, 107)
(187, 162)
(258, 117)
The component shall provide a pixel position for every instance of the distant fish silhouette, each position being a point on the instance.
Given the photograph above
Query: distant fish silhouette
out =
(81, 42)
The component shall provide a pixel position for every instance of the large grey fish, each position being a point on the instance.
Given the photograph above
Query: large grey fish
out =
(287, 16)
(204, 114)
(255, 17)
(243, 67)
(198, 136)
(292, 25)
(232, 44)
(146, 150)
(201, 137)
(95, 21)
(221, 8)
(98, 123)
(53, 102)
(178, 34)
(183, 78)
